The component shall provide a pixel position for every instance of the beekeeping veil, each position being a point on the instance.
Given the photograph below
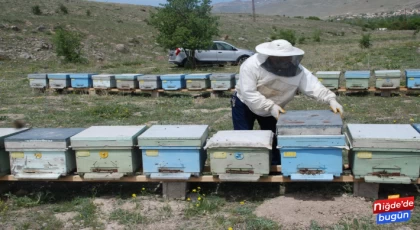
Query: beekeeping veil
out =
(283, 59)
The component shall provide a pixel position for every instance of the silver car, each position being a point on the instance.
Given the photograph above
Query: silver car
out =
(219, 53)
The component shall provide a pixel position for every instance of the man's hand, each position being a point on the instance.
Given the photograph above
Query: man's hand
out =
(336, 107)
(276, 110)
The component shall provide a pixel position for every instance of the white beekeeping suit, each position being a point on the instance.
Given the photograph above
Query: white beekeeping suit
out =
(269, 80)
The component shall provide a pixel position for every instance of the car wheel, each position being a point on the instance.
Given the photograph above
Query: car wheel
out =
(241, 60)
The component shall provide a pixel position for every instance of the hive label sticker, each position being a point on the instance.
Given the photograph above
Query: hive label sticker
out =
(38, 155)
(164, 81)
(411, 78)
(82, 153)
(320, 79)
(143, 81)
(103, 154)
(219, 155)
(364, 155)
(152, 153)
(15, 155)
(118, 80)
(289, 154)
(189, 80)
(379, 79)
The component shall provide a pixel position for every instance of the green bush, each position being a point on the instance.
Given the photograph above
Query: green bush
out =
(301, 17)
(316, 36)
(364, 42)
(286, 34)
(68, 44)
(88, 13)
(63, 9)
(302, 40)
(36, 10)
(313, 18)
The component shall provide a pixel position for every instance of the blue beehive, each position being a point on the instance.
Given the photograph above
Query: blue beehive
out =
(173, 81)
(81, 80)
(311, 145)
(417, 127)
(413, 78)
(173, 151)
(357, 79)
(59, 80)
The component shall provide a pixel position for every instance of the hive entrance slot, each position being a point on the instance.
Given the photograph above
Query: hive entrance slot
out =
(170, 170)
(386, 174)
(104, 170)
(240, 171)
(306, 171)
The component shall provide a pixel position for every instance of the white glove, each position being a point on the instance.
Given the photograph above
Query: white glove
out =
(336, 107)
(276, 110)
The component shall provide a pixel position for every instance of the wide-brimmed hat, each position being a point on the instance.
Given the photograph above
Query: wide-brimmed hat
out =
(279, 48)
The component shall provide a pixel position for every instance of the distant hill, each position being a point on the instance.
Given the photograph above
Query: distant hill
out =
(320, 8)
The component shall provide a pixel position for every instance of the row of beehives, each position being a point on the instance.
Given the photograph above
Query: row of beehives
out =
(216, 81)
(311, 146)
(385, 79)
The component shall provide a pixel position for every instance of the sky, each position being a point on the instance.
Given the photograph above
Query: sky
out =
(148, 2)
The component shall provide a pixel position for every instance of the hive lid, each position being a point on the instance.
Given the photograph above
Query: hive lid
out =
(6, 132)
(417, 127)
(37, 76)
(148, 77)
(198, 76)
(388, 73)
(174, 135)
(81, 75)
(328, 74)
(357, 74)
(399, 136)
(127, 76)
(312, 122)
(241, 138)
(58, 75)
(412, 72)
(107, 136)
(42, 138)
(222, 76)
(172, 76)
(103, 76)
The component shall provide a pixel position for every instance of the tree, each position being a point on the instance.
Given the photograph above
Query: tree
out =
(186, 24)
(68, 44)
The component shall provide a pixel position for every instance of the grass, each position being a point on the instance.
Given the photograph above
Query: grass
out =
(128, 217)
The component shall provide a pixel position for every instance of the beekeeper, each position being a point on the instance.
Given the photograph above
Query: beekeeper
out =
(268, 80)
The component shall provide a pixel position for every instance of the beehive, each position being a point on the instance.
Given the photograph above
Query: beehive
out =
(222, 81)
(41, 153)
(384, 153)
(81, 80)
(173, 81)
(4, 155)
(39, 81)
(413, 78)
(149, 82)
(417, 127)
(357, 79)
(104, 81)
(240, 155)
(330, 79)
(59, 80)
(387, 79)
(198, 81)
(107, 152)
(311, 145)
(127, 81)
(173, 151)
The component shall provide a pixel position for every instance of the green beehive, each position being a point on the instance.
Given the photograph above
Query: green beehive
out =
(387, 153)
(107, 152)
(357, 79)
(388, 79)
(330, 79)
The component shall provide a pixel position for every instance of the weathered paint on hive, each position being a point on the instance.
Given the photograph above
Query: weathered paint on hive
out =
(104, 81)
(174, 135)
(314, 122)
(413, 78)
(222, 81)
(173, 81)
(149, 82)
(59, 80)
(4, 155)
(38, 80)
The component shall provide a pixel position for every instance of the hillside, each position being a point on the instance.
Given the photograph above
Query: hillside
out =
(320, 8)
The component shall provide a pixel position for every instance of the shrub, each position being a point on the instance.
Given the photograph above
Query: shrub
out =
(36, 10)
(302, 40)
(68, 44)
(88, 13)
(63, 9)
(364, 42)
(289, 35)
(316, 36)
(313, 18)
